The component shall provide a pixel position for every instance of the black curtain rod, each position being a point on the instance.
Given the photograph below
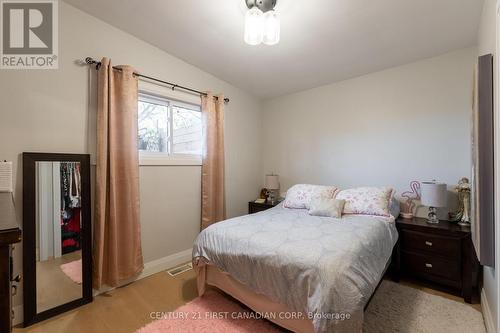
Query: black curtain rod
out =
(91, 61)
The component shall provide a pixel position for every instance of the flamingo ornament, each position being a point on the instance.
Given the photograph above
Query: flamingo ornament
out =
(408, 204)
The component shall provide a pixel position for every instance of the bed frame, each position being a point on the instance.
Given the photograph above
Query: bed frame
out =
(209, 274)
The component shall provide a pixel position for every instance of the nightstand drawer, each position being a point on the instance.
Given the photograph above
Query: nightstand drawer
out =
(430, 266)
(441, 245)
(255, 207)
(439, 253)
(258, 208)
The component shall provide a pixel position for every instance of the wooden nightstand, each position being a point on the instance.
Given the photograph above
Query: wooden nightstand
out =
(440, 253)
(254, 207)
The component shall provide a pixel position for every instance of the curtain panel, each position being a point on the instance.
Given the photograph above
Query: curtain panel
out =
(117, 253)
(213, 196)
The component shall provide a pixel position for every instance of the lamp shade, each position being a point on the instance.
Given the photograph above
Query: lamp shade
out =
(433, 194)
(272, 182)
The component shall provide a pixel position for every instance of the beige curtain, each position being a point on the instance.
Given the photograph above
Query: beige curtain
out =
(117, 253)
(213, 197)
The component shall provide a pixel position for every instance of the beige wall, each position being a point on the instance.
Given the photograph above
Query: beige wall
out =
(47, 111)
(491, 280)
(387, 128)
(346, 133)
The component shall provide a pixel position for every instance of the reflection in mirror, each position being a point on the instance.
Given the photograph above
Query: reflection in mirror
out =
(58, 234)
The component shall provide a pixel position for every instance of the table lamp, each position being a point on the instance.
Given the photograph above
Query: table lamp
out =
(273, 186)
(433, 194)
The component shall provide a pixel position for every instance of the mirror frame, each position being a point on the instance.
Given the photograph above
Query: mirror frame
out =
(29, 235)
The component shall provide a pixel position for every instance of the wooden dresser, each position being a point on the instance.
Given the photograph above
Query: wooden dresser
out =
(440, 253)
(9, 234)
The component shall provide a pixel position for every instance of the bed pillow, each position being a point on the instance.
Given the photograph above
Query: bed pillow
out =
(327, 207)
(299, 196)
(367, 200)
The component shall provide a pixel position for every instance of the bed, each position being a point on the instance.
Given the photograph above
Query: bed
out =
(305, 273)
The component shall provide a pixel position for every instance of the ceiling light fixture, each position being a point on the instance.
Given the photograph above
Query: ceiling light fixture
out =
(262, 23)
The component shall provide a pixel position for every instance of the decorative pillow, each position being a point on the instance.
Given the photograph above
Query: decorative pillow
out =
(367, 200)
(299, 196)
(327, 207)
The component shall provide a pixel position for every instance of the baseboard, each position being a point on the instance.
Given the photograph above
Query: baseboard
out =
(165, 263)
(154, 267)
(488, 318)
(150, 268)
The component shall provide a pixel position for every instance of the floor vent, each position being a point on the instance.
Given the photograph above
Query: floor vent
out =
(180, 269)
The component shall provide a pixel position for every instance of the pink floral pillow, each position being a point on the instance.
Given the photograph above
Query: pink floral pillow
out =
(367, 200)
(299, 196)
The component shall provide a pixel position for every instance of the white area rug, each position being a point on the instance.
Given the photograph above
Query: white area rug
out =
(398, 308)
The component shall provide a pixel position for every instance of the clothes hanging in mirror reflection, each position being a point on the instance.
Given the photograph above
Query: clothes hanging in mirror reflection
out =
(70, 206)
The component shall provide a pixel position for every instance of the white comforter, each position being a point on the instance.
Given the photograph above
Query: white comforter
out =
(326, 268)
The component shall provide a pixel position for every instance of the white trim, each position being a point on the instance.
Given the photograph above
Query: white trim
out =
(155, 266)
(149, 158)
(150, 268)
(145, 161)
(169, 162)
(166, 161)
(45, 211)
(153, 98)
(56, 208)
(165, 263)
(196, 107)
(487, 315)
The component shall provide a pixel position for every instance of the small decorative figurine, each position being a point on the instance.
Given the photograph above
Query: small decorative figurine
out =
(462, 216)
(408, 205)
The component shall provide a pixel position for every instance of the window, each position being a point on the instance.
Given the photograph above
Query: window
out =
(187, 130)
(169, 132)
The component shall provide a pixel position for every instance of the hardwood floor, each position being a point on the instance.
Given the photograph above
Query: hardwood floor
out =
(128, 308)
(124, 309)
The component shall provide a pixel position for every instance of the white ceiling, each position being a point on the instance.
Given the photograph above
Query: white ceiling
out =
(322, 41)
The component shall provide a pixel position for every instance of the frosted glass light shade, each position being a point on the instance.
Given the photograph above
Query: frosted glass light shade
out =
(254, 26)
(433, 194)
(271, 28)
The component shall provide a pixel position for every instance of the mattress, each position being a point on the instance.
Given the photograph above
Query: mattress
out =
(322, 267)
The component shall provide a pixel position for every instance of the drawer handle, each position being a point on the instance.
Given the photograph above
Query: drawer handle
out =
(428, 243)
(428, 265)
(13, 290)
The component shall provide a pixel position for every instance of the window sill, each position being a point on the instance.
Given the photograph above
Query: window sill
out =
(173, 161)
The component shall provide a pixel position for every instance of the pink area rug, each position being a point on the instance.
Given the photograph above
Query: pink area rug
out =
(73, 270)
(211, 313)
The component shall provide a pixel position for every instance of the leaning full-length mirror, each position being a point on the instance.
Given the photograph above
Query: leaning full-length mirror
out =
(57, 228)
